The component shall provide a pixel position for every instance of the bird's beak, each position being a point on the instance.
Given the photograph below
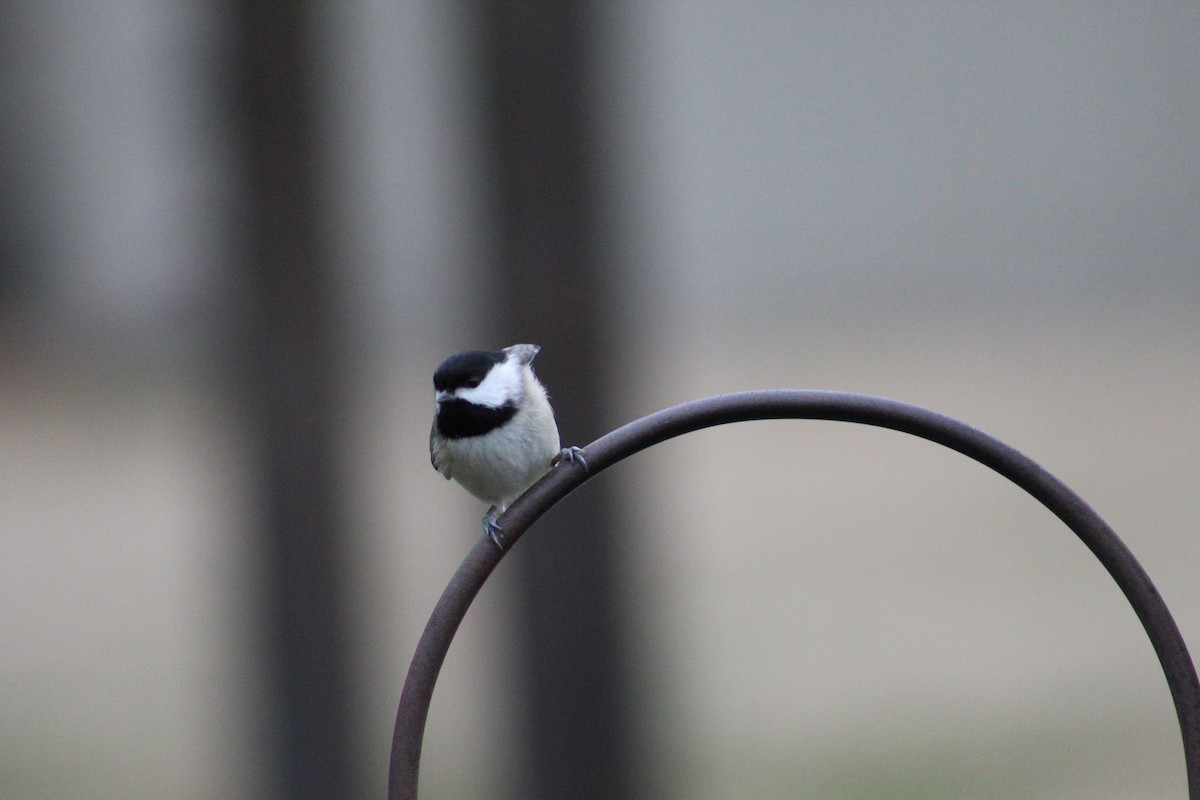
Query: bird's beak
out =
(442, 396)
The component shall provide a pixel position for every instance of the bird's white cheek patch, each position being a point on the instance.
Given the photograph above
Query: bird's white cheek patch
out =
(501, 386)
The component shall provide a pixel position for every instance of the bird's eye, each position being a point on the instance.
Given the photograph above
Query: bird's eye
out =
(473, 382)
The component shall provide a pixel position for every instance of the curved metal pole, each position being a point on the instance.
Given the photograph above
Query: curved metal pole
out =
(788, 404)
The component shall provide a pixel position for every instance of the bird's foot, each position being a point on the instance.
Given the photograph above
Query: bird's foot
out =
(573, 455)
(492, 529)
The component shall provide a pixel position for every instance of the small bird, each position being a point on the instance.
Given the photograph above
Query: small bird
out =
(493, 428)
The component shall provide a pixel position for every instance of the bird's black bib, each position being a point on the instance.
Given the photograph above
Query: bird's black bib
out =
(458, 419)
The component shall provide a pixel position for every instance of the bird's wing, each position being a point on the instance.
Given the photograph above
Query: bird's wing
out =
(437, 453)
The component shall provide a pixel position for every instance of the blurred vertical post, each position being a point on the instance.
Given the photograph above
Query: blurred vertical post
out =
(544, 201)
(290, 384)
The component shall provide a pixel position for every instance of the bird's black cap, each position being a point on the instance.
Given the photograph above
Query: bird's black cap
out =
(462, 368)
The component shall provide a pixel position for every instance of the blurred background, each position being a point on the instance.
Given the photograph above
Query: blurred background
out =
(236, 239)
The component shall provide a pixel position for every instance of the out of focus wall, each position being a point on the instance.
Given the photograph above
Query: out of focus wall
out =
(988, 210)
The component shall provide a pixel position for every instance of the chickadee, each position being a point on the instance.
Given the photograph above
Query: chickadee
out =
(493, 428)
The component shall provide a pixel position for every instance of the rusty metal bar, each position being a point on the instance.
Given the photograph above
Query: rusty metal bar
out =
(794, 404)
